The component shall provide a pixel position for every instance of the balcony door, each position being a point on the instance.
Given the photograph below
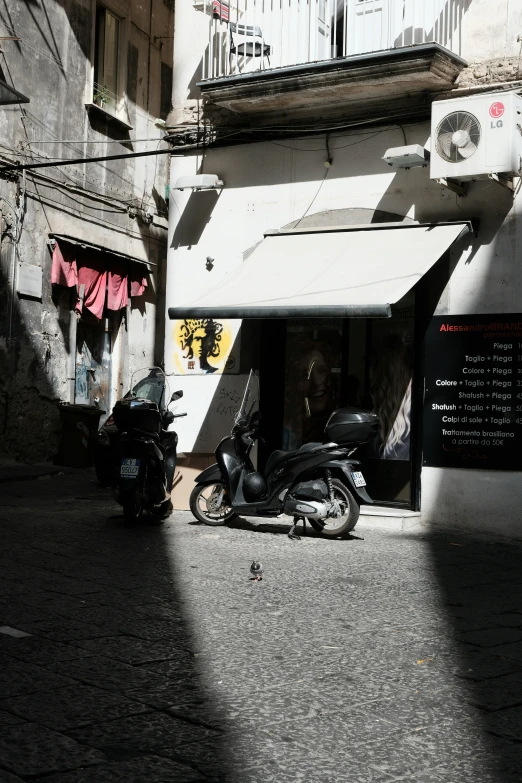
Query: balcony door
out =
(368, 26)
(324, 44)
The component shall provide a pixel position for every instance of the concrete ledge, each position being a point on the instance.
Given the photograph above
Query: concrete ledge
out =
(383, 517)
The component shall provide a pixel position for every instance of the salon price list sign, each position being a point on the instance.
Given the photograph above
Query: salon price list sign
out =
(473, 392)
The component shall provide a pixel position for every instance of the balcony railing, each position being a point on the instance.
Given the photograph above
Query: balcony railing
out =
(255, 35)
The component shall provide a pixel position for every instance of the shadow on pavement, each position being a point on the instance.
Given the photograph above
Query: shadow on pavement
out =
(480, 594)
(107, 685)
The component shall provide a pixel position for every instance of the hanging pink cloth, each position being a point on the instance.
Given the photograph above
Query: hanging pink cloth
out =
(63, 269)
(117, 287)
(138, 281)
(92, 274)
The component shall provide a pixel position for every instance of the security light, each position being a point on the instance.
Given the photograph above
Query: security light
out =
(199, 182)
(407, 157)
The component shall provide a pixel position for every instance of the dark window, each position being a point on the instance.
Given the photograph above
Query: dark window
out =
(166, 90)
(106, 59)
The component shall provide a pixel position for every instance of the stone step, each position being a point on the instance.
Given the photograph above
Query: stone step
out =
(384, 517)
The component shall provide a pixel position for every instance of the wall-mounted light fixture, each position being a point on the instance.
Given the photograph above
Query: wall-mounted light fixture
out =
(407, 157)
(199, 182)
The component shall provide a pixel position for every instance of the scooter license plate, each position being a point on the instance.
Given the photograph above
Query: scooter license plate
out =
(358, 478)
(129, 468)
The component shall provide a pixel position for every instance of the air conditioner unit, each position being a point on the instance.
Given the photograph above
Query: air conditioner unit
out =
(476, 136)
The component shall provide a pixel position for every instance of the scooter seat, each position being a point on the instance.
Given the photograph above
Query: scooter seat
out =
(278, 456)
(274, 459)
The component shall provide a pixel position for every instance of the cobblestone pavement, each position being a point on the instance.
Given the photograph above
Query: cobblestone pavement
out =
(151, 656)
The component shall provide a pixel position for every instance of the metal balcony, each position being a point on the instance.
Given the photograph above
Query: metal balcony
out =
(247, 36)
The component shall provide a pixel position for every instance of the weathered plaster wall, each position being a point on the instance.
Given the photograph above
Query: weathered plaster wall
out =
(102, 203)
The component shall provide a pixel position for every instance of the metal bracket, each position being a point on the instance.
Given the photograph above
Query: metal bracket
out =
(459, 188)
(507, 182)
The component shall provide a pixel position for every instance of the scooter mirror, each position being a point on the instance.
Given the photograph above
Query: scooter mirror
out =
(176, 396)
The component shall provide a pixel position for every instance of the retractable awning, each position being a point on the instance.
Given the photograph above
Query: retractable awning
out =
(101, 249)
(338, 272)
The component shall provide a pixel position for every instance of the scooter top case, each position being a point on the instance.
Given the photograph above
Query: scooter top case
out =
(351, 426)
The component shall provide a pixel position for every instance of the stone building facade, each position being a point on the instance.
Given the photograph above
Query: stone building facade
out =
(98, 79)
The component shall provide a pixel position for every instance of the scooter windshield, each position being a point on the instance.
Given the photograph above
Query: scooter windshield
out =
(150, 383)
(249, 403)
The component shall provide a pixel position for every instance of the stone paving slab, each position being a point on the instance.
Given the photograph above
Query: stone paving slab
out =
(507, 723)
(512, 651)
(129, 649)
(152, 732)
(70, 707)
(29, 749)
(492, 637)
(40, 651)
(60, 630)
(497, 694)
(7, 720)
(20, 678)
(138, 770)
(7, 777)
(110, 674)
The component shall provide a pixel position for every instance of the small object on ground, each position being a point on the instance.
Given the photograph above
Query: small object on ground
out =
(15, 632)
(256, 569)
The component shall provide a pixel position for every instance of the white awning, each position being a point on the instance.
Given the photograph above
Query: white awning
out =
(338, 272)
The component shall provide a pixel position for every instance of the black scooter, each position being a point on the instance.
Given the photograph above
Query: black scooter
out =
(147, 457)
(317, 483)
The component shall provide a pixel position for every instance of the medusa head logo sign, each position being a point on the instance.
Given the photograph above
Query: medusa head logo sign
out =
(203, 346)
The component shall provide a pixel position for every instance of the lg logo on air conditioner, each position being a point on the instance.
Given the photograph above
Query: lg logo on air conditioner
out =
(496, 110)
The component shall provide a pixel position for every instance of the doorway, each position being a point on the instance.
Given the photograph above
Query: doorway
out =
(360, 363)
(93, 362)
(367, 26)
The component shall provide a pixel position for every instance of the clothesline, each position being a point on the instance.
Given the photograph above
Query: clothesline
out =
(106, 281)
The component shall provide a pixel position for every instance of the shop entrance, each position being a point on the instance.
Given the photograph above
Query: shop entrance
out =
(362, 363)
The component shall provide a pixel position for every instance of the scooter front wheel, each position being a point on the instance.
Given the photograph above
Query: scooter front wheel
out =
(209, 504)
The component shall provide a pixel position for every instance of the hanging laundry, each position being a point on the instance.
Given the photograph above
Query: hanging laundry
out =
(92, 274)
(117, 287)
(220, 10)
(138, 281)
(64, 270)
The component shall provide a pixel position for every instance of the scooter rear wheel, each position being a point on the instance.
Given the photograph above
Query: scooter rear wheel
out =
(336, 527)
(208, 504)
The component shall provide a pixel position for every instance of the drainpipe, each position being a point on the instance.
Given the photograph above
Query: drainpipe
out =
(13, 285)
(73, 329)
(15, 231)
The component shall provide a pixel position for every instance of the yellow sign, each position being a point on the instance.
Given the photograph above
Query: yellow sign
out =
(204, 346)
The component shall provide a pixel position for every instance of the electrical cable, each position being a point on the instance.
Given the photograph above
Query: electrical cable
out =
(75, 161)
(174, 151)
(89, 141)
(314, 198)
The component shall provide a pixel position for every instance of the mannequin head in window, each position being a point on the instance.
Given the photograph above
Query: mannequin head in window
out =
(309, 393)
(315, 381)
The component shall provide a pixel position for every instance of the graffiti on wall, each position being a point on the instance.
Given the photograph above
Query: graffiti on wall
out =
(203, 346)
